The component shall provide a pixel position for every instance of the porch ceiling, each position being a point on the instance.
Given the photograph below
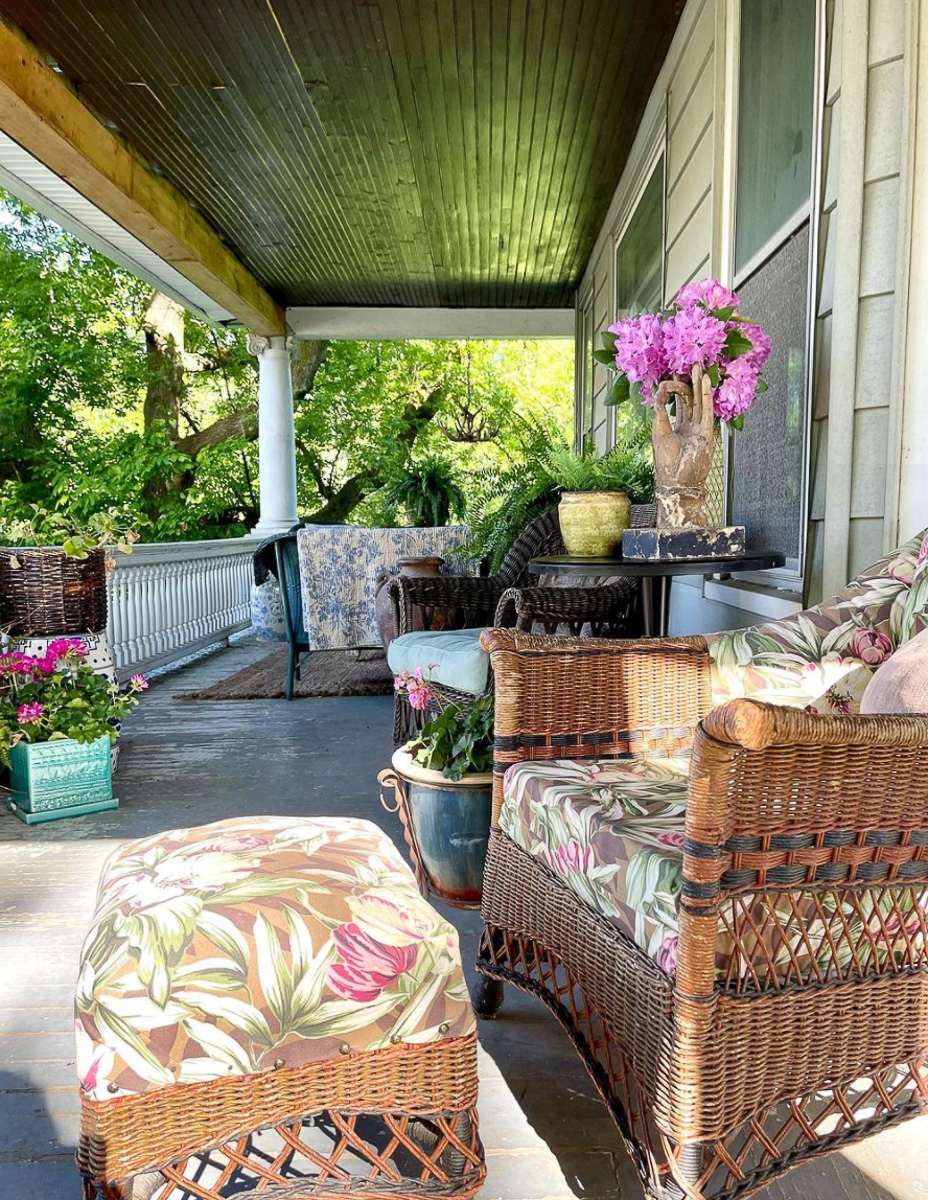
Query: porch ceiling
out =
(376, 152)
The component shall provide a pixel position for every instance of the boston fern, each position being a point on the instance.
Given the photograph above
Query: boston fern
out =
(457, 742)
(627, 468)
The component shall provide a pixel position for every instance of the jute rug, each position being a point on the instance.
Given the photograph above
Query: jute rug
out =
(325, 673)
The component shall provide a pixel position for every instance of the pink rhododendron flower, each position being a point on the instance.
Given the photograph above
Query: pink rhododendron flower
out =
(27, 713)
(692, 337)
(870, 647)
(762, 347)
(639, 349)
(366, 965)
(737, 390)
(708, 292)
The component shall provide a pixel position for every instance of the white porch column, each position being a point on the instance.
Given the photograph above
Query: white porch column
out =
(276, 448)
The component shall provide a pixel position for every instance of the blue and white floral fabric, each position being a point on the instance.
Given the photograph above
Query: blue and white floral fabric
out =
(339, 568)
(267, 614)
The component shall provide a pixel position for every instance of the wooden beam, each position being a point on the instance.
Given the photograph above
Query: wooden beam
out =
(362, 322)
(41, 111)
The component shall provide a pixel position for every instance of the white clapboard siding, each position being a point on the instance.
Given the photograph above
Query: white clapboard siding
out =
(166, 601)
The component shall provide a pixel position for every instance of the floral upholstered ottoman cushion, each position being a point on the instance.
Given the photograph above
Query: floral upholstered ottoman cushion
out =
(257, 943)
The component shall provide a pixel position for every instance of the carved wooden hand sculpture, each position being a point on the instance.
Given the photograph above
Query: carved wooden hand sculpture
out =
(683, 450)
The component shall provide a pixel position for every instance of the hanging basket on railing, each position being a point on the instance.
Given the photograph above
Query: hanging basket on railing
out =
(43, 591)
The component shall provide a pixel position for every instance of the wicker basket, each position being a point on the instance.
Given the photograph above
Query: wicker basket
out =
(43, 591)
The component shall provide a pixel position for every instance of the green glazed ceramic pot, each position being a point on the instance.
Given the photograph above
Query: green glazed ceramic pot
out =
(61, 778)
(447, 827)
(592, 522)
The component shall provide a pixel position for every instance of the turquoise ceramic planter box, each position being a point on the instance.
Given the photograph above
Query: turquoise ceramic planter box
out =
(50, 780)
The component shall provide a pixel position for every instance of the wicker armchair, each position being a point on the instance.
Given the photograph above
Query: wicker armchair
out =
(788, 1012)
(511, 598)
(508, 600)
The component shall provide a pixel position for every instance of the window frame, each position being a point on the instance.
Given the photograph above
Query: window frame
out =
(790, 577)
(656, 155)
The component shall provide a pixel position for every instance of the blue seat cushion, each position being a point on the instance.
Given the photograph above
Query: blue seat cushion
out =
(451, 657)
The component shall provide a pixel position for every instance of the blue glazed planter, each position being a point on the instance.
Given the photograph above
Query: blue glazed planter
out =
(447, 828)
(62, 778)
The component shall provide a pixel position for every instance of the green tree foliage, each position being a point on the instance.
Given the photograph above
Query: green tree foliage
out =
(111, 397)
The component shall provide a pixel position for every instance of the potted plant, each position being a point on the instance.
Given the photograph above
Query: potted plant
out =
(442, 791)
(594, 508)
(58, 719)
(53, 572)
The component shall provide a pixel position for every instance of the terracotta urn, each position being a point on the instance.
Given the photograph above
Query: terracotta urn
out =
(592, 523)
(414, 568)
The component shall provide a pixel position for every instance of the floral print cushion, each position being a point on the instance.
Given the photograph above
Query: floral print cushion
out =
(253, 943)
(612, 830)
(823, 658)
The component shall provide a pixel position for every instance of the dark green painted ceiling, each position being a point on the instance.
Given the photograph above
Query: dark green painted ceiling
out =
(389, 152)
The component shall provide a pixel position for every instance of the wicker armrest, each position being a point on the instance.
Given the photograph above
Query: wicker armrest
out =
(782, 800)
(520, 607)
(586, 697)
(471, 601)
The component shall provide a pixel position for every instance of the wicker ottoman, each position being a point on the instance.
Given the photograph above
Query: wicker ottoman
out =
(268, 1005)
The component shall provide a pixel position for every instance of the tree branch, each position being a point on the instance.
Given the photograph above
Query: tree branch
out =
(243, 424)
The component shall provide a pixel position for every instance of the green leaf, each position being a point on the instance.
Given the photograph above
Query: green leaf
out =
(713, 374)
(605, 357)
(619, 392)
(608, 341)
(736, 344)
(736, 422)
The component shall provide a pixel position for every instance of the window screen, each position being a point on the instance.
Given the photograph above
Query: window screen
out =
(639, 255)
(776, 95)
(768, 455)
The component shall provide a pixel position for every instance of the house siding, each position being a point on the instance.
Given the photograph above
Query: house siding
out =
(855, 346)
(849, 522)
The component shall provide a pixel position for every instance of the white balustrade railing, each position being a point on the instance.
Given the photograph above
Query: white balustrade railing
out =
(169, 600)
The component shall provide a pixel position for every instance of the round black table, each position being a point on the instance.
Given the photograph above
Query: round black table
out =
(655, 602)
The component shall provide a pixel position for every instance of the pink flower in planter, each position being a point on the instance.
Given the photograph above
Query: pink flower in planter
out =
(870, 646)
(27, 713)
(366, 966)
(62, 647)
(139, 683)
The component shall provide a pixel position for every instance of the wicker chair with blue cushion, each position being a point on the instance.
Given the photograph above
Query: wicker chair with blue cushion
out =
(715, 874)
(451, 657)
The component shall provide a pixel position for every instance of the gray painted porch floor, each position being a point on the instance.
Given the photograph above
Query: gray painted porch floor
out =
(547, 1136)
